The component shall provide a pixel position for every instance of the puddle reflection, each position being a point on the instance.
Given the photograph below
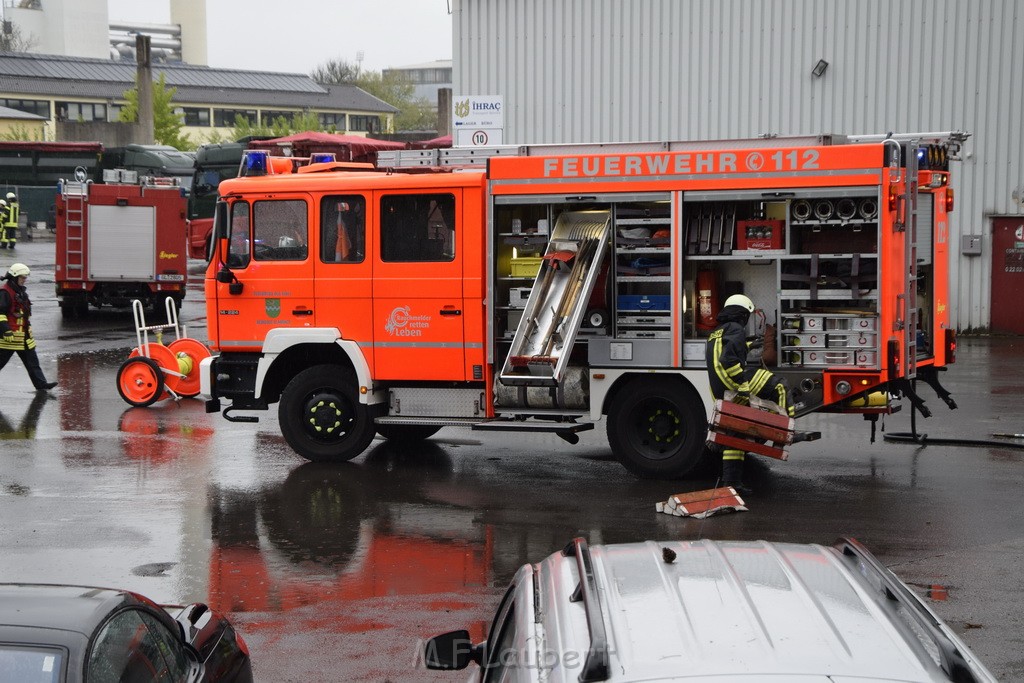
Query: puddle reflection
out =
(26, 427)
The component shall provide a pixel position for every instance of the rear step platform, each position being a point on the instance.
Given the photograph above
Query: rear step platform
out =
(754, 430)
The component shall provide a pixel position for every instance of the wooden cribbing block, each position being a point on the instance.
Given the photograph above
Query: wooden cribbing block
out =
(764, 417)
(721, 422)
(752, 446)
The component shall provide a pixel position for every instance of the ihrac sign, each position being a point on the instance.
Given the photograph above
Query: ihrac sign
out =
(477, 120)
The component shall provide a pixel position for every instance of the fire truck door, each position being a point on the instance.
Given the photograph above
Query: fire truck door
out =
(418, 308)
(269, 256)
(344, 270)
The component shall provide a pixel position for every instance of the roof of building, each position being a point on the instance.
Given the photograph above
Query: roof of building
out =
(55, 75)
(8, 113)
(437, 64)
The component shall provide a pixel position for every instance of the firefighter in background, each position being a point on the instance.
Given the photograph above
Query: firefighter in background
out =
(15, 328)
(727, 349)
(10, 221)
(3, 223)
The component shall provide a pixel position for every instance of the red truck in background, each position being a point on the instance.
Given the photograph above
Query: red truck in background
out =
(119, 241)
(217, 162)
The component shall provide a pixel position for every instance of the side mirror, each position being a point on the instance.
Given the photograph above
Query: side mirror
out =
(451, 651)
(226, 277)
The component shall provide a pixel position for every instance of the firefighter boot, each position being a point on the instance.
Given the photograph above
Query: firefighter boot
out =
(732, 471)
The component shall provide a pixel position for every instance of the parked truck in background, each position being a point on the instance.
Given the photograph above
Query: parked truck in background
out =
(118, 241)
(546, 288)
(217, 162)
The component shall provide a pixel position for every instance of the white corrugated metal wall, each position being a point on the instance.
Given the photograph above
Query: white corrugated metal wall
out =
(628, 70)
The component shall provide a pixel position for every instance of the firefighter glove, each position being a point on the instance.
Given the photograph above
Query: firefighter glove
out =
(755, 343)
(7, 335)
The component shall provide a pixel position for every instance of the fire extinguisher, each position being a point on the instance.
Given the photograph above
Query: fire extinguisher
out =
(707, 299)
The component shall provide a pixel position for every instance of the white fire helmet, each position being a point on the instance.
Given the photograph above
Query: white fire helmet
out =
(742, 301)
(18, 270)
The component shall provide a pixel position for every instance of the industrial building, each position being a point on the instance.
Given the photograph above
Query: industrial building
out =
(79, 65)
(638, 70)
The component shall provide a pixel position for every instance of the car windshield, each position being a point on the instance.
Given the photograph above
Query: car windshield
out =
(30, 664)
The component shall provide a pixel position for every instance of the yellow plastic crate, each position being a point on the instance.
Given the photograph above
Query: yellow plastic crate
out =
(526, 266)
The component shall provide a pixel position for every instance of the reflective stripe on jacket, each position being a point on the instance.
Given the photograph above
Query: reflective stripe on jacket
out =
(14, 313)
(11, 215)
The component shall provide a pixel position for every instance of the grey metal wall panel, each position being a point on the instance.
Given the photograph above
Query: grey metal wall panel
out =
(629, 70)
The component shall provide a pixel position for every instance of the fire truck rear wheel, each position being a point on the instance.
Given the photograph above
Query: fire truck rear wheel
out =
(407, 433)
(321, 416)
(657, 427)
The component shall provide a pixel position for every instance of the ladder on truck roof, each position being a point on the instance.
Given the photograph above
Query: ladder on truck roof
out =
(76, 196)
(462, 157)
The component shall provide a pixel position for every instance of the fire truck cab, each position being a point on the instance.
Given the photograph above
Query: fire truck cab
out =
(545, 288)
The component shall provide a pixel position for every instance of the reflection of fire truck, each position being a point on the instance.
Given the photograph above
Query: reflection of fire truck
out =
(563, 284)
(119, 241)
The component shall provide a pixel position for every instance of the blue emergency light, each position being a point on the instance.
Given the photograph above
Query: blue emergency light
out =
(322, 157)
(254, 163)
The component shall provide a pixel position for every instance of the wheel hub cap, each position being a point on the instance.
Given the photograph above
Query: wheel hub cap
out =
(324, 415)
(663, 426)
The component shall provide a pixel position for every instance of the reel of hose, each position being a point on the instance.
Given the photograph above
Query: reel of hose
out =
(846, 209)
(824, 209)
(868, 209)
(800, 210)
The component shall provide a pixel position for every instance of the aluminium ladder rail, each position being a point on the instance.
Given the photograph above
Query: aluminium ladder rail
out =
(558, 299)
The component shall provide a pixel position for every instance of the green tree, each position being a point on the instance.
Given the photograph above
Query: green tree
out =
(166, 123)
(393, 87)
(13, 40)
(337, 72)
(279, 127)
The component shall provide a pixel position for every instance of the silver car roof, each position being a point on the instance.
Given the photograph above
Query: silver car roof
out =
(739, 609)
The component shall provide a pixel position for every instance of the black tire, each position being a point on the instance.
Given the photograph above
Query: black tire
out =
(140, 381)
(321, 416)
(407, 433)
(657, 427)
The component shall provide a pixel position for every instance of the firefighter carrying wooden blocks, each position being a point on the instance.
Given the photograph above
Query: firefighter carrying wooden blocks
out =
(726, 350)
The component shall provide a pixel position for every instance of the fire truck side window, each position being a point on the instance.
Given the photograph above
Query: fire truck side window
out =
(342, 229)
(238, 249)
(417, 227)
(280, 230)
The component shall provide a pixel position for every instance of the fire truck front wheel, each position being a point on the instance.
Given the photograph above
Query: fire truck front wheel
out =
(657, 427)
(321, 416)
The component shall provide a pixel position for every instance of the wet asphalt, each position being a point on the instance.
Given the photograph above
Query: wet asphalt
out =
(337, 573)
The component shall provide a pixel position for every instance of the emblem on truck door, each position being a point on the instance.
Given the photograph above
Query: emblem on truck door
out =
(272, 307)
(401, 323)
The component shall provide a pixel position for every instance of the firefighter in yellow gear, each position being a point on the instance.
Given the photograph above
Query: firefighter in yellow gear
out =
(15, 328)
(3, 223)
(10, 221)
(727, 349)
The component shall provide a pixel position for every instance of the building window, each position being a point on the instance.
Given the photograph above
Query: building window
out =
(370, 124)
(225, 118)
(194, 116)
(328, 119)
(37, 107)
(81, 111)
(268, 116)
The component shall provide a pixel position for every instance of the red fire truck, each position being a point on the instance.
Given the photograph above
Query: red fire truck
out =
(545, 288)
(118, 241)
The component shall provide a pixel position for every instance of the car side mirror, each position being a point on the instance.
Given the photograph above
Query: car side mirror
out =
(451, 651)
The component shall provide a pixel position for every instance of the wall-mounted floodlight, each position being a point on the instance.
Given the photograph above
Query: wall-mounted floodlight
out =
(819, 68)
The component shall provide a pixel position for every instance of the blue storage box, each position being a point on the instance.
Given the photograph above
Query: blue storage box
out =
(644, 302)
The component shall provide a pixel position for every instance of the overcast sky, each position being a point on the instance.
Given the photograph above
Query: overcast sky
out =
(296, 36)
